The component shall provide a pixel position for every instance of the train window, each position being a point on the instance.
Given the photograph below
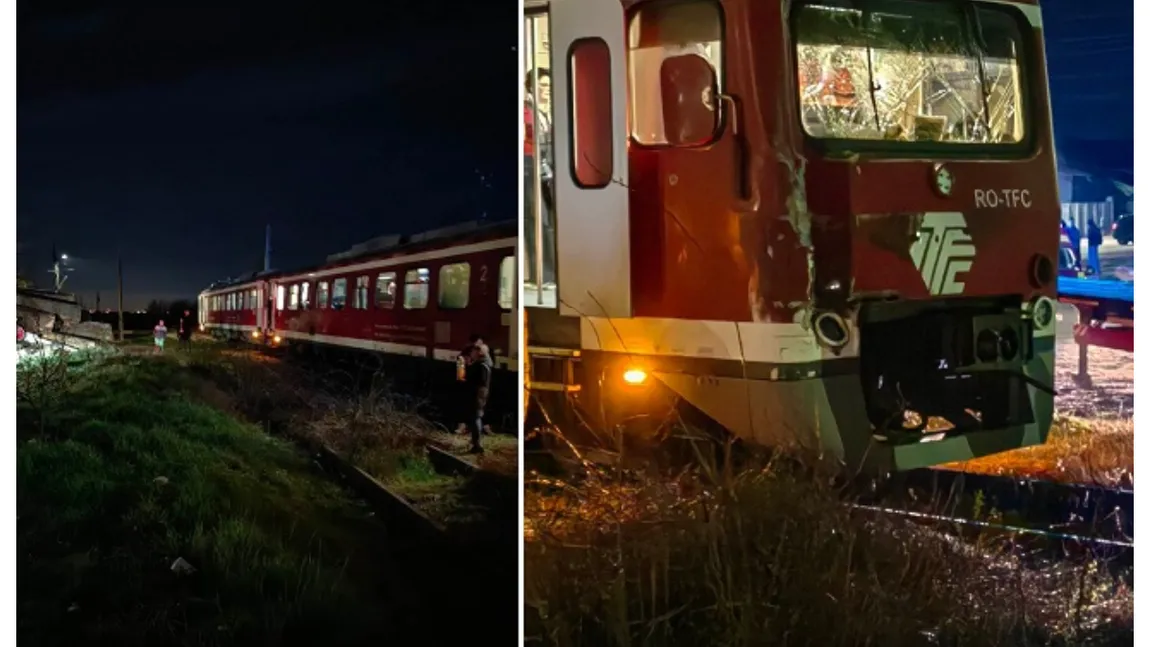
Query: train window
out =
(385, 290)
(293, 297)
(321, 294)
(279, 297)
(231, 300)
(305, 296)
(454, 286)
(361, 291)
(507, 283)
(339, 294)
(416, 287)
(675, 58)
(903, 73)
(253, 300)
(592, 138)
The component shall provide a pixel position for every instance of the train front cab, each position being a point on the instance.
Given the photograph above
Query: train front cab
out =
(863, 273)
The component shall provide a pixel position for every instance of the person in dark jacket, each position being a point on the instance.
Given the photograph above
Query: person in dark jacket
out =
(186, 329)
(465, 409)
(479, 385)
(1093, 240)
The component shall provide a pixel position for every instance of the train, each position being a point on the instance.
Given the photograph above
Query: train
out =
(827, 225)
(413, 300)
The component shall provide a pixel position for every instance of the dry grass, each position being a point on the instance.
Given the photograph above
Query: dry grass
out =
(1099, 451)
(770, 557)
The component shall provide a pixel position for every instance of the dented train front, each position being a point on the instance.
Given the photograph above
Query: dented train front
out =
(932, 193)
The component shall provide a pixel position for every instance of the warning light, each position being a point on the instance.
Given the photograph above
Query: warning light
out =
(635, 376)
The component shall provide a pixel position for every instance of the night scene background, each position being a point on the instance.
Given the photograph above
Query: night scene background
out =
(171, 134)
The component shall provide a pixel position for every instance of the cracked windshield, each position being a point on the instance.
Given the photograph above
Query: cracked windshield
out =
(910, 71)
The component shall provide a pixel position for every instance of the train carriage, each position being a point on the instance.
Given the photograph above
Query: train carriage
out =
(414, 300)
(231, 309)
(870, 277)
(423, 297)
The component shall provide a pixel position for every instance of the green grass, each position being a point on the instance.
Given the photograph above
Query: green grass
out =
(126, 473)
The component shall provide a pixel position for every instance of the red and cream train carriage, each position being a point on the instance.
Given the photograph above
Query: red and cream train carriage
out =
(424, 297)
(418, 297)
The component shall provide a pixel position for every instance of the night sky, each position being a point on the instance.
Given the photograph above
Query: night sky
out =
(174, 134)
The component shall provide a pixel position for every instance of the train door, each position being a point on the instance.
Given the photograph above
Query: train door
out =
(509, 305)
(261, 308)
(583, 204)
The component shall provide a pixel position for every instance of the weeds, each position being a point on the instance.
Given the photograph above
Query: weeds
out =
(769, 556)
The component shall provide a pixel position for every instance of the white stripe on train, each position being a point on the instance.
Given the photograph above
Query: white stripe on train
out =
(410, 350)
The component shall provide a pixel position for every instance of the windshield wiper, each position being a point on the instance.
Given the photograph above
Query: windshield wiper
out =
(864, 17)
(978, 40)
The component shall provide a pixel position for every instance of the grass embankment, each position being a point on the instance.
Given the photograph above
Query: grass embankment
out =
(1097, 451)
(121, 474)
(383, 433)
(770, 557)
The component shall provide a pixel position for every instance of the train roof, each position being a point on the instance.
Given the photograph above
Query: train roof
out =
(390, 245)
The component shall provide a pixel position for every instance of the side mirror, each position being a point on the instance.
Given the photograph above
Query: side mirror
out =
(690, 100)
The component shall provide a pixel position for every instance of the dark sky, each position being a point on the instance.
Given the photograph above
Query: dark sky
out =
(174, 133)
(1090, 54)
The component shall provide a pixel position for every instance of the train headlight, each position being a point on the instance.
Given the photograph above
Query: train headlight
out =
(255, 334)
(986, 346)
(276, 339)
(635, 376)
(831, 330)
(1008, 344)
(1042, 313)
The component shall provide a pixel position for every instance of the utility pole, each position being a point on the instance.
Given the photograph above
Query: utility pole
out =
(120, 290)
(268, 249)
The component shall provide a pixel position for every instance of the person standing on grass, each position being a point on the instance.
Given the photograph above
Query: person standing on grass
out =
(159, 333)
(479, 385)
(186, 330)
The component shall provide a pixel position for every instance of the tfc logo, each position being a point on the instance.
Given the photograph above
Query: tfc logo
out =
(942, 251)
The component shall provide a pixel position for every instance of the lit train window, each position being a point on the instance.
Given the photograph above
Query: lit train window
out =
(361, 285)
(304, 296)
(231, 300)
(339, 294)
(385, 290)
(279, 297)
(321, 293)
(416, 288)
(293, 298)
(253, 300)
(454, 286)
(507, 283)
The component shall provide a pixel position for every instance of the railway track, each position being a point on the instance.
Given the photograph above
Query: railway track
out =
(1075, 510)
